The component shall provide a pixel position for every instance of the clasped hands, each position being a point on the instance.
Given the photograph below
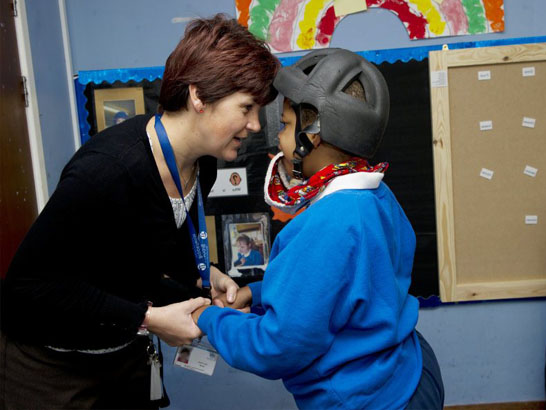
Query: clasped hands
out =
(176, 324)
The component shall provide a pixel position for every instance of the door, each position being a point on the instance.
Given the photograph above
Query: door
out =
(18, 208)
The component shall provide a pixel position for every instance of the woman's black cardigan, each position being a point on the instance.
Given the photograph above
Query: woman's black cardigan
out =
(104, 245)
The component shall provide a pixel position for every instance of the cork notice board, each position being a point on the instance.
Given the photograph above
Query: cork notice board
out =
(489, 143)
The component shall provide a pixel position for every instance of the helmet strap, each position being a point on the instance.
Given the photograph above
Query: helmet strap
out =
(303, 145)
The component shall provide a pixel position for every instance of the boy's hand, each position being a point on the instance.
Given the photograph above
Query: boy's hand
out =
(242, 300)
(242, 303)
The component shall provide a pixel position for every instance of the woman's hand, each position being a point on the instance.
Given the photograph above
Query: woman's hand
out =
(223, 288)
(173, 323)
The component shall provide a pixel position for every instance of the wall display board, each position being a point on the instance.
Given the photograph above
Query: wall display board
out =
(489, 143)
(406, 146)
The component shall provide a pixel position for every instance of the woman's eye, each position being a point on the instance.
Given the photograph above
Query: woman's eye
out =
(281, 126)
(248, 108)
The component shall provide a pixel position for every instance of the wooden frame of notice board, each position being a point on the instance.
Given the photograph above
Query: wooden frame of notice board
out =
(489, 143)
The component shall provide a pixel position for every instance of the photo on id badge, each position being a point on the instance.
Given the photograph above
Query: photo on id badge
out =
(198, 357)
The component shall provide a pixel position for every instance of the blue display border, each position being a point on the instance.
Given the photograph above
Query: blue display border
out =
(375, 56)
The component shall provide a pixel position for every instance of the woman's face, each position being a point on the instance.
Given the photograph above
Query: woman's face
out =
(287, 142)
(227, 123)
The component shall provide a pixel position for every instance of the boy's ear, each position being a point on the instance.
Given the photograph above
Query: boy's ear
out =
(315, 139)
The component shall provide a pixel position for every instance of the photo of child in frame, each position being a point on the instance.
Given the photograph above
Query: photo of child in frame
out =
(115, 112)
(246, 243)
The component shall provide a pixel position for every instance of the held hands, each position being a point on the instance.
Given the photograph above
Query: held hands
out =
(173, 323)
(226, 293)
(242, 300)
(242, 303)
(222, 287)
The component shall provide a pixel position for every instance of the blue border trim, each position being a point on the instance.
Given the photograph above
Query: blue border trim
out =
(375, 56)
(120, 74)
(107, 76)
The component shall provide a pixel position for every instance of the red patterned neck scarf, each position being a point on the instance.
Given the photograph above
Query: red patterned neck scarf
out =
(292, 199)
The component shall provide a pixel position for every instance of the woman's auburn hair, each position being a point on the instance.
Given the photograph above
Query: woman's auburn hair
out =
(220, 57)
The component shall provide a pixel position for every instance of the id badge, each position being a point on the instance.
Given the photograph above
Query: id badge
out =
(200, 357)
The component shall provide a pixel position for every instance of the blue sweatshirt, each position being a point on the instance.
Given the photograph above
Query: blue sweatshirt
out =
(338, 326)
(254, 258)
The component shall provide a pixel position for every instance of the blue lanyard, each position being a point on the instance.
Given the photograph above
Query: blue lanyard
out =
(200, 244)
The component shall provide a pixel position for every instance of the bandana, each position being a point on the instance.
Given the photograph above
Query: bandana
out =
(290, 195)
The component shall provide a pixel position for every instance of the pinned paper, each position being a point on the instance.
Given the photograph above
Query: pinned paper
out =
(230, 182)
(344, 7)
(438, 79)
(486, 173)
(439, 1)
(484, 75)
(528, 71)
(531, 171)
(528, 122)
(531, 219)
(486, 125)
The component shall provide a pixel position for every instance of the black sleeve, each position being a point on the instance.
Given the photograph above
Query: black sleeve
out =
(48, 295)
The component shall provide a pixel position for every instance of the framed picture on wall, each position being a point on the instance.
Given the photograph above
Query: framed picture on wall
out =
(115, 105)
(246, 243)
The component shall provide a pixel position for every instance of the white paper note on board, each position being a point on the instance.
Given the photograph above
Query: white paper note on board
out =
(230, 182)
(528, 71)
(486, 125)
(438, 79)
(486, 173)
(484, 75)
(531, 171)
(528, 122)
(531, 219)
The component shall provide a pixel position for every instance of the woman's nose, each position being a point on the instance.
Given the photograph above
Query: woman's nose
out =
(254, 122)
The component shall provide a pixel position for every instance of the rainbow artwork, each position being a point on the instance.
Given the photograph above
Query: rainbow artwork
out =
(291, 25)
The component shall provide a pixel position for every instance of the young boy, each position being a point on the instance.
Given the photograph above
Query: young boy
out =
(339, 324)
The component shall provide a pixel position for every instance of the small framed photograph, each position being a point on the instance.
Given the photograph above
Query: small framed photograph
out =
(246, 243)
(115, 105)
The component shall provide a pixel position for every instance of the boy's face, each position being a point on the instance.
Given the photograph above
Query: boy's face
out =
(287, 141)
(243, 247)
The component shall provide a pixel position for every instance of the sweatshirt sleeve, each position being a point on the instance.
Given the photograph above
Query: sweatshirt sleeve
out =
(256, 289)
(305, 295)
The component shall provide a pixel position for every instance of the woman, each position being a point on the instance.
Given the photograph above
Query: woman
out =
(112, 254)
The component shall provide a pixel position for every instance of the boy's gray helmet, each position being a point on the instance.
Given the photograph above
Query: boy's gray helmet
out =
(320, 78)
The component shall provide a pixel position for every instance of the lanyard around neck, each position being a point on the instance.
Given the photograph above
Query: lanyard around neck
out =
(200, 244)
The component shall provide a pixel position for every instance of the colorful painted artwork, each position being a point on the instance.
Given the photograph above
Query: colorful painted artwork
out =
(290, 25)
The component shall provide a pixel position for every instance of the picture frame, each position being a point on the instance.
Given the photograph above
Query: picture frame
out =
(246, 243)
(115, 105)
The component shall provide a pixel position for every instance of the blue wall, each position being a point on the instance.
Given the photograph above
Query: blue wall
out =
(489, 352)
(46, 45)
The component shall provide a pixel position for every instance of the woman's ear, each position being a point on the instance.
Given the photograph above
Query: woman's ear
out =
(315, 139)
(195, 101)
